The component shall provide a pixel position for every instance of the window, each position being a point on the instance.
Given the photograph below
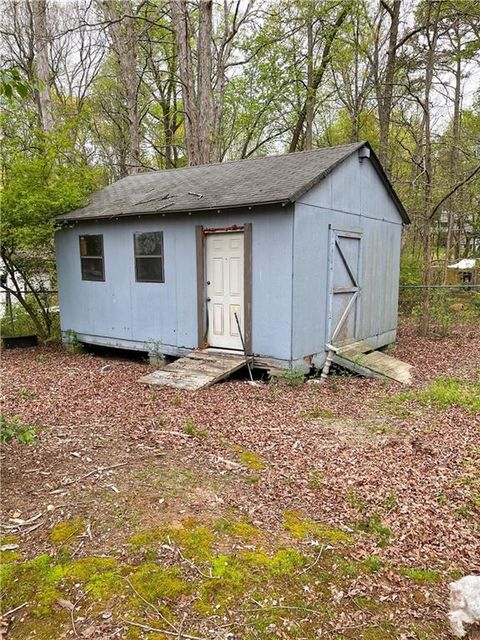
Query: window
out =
(149, 257)
(91, 258)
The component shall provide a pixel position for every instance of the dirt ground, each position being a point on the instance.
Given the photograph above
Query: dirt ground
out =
(333, 511)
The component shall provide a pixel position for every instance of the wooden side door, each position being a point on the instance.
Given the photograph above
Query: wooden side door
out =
(344, 287)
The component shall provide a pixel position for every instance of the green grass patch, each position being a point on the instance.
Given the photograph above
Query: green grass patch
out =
(191, 429)
(443, 393)
(421, 576)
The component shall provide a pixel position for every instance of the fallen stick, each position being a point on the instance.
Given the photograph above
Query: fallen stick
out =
(145, 627)
(19, 522)
(310, 566)
(151, 605)
(93, 471)
(12, 611)
(175, 549)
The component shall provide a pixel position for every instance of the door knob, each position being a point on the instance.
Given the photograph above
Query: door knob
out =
(209, 299)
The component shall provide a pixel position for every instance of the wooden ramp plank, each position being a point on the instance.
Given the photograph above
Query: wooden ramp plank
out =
(196, 370)
(374, 364)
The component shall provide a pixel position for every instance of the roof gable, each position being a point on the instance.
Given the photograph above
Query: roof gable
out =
(244, 183)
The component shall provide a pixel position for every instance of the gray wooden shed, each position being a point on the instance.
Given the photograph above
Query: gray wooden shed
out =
(304, 247)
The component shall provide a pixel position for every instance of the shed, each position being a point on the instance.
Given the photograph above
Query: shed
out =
(304, 248)
(464, 272)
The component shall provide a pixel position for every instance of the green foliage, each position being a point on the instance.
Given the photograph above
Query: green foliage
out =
(72, 342)
(411, 269)
(14, 429)
(291, 377)
(191, 429)
(12, 82)
(23, 324)
(373, 525)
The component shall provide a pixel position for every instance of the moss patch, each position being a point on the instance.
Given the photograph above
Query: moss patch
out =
(237, 528)
(195, 540)
(154, 582)
(252, 460)
(63, 532)
(12, 555)
(300, 528)
(35, 581)
(99, 575)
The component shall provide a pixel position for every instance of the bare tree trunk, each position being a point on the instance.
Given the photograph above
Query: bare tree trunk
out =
(319, 73)
(185, 66)
(41, 39)
(309, 103)
(453, 216)
(204, 72)
(124, 39)
(385, 88)
(432, 38)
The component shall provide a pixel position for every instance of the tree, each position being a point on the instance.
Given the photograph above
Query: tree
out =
(41, 39)
(202, 78)
(123, 32)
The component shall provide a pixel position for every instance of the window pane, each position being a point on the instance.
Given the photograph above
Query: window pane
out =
(91, 245)
(92, 269)
(149, 244)
(149, 269)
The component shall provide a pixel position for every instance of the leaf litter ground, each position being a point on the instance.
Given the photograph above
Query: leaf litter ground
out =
(315, 511)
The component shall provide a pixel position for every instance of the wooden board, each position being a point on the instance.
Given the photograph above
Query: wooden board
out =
(374, 364)
(196, 370)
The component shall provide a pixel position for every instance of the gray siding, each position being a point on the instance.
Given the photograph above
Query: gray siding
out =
(352, 198)
(123, 312)
(290, 260)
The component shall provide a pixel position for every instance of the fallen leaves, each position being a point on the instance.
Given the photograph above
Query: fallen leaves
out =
(336, 452)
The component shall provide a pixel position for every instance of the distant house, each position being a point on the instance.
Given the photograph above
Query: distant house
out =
(465, 272)
(304, 248)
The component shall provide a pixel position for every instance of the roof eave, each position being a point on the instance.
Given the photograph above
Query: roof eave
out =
(67, 218)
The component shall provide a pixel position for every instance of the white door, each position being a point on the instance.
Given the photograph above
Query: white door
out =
(224, 289)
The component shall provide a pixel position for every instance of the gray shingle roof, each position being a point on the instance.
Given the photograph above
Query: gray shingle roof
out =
(252, 182)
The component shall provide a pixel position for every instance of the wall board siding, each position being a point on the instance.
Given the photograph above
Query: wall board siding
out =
(123, 309)
(355, 186)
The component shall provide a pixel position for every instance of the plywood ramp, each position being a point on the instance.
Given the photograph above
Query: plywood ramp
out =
(374, 364)
(196, 370)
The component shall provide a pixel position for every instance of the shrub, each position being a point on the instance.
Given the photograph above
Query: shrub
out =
(15, 429)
